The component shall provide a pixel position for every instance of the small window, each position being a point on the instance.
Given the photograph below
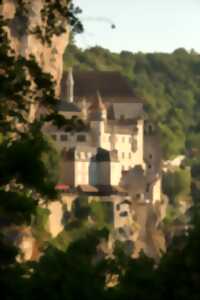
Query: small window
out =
(130, 140)
(148, 188)
(150, 156)
(118, 207)
(63, 137)
(123, 214)
(150, 129)
(54, 137)
(130, 155)
(81, 138)
(123, 139)
(123, 155)
(149, 166)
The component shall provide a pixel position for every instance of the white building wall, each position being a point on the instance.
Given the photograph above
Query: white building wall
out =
(98, 128)
(81, 173)
(115, 174)
(71, 139)
(127, 156)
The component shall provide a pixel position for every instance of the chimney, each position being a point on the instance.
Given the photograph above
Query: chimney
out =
(70, 86)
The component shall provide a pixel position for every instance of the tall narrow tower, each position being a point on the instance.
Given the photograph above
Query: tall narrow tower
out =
(98, 117)
(70, 86)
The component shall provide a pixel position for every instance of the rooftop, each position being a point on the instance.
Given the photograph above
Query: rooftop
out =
(65, 106)
(111, 85)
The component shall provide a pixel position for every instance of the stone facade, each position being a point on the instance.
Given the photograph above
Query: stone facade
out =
(113, 142)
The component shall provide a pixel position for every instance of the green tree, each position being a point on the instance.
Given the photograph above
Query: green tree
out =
(177, 183)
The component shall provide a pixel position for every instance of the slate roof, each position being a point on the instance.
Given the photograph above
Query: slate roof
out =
(112, 86)
(103, 190)
(105, 155)
(65, 106)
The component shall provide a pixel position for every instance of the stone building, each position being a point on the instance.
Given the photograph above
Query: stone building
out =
(113, 141)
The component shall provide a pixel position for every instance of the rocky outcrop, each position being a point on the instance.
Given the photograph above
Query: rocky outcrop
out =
(50, 58)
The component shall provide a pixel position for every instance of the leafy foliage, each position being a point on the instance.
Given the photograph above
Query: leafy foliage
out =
(177, 183)
(27, 157)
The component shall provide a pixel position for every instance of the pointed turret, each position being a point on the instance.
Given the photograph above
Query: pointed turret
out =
(70, 86)
(98, 104)
(98, 109)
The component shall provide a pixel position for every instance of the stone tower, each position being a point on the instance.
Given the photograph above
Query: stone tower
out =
(98, 116)
(70, 86)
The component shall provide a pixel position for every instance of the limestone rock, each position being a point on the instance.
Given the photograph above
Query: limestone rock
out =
(50, 58)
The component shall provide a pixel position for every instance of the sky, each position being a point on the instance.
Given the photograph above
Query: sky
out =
(141, 25)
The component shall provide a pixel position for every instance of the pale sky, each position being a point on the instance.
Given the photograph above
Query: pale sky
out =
(141, 25)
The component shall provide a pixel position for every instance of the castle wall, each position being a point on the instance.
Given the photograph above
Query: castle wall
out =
(81, 173)
(115, 173)
(97, 131)
(71, 139)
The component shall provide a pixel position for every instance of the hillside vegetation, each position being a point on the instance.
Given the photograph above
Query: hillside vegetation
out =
(169, 84)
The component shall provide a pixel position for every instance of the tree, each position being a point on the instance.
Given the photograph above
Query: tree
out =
(177, 183)
(26, 178)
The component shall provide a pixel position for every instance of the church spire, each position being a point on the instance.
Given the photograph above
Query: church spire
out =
(70, 86)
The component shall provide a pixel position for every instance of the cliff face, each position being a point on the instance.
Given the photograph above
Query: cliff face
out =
(50, 58)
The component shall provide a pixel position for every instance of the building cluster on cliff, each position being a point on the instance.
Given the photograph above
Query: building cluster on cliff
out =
(117, 148)
(115, 158)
